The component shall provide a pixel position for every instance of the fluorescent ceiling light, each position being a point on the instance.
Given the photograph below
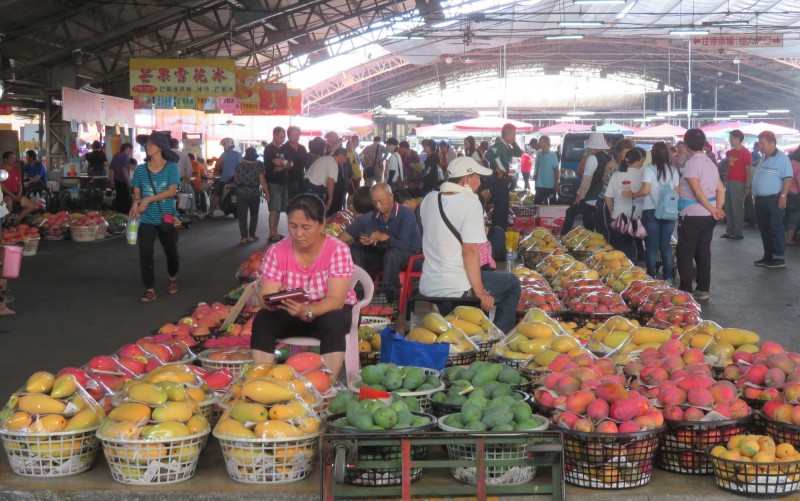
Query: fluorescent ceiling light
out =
(271, 26)
(727, 23)
(777, 111)
(580, 23)
(395, 112)
(604, 2)
(563, 37)
(567, 119)
(688, 32)
(405, 37)
(739, 116)
(641, 119)
(757, 113)
(581, 113)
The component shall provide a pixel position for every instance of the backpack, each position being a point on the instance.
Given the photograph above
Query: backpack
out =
(666, 207)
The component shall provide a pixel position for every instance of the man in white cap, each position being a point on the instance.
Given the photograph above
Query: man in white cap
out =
(591, 183)
(453, 222)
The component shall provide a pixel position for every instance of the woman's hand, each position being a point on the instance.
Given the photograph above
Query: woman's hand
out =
(134, 212)
(487, 300)
(294, 308)
(143, 205)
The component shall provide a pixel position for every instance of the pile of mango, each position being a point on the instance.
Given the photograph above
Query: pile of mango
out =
(391, 378)
(618, 337)
(550, 265)
(480, 373)
(463, 391)
(540, 240)
(344, 399)
(376, 415)
(720, 345)
(484, 412)
(621, 278)
(369, 339)
(604, 262)
(285, 374)
(755, 464)
(579, 238)
(536, 333)
(436, 329)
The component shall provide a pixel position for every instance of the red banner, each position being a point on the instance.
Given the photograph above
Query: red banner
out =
(272, 98)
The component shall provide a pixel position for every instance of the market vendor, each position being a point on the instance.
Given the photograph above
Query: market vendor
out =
(454, 229)
(35, 171)
(12, 188)
(320, 265)
(385, 239)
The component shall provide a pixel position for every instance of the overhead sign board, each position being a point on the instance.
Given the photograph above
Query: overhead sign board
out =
(739, 41)
(182, 77)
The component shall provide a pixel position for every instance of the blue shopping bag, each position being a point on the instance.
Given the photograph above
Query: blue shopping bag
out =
(396, 349)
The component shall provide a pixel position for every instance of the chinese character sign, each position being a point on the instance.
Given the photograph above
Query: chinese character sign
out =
(182, 77)
(272, 96)
(247, 91)
(752, 41)
(294, 102)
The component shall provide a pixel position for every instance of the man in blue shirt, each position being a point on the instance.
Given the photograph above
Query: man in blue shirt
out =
(34, 169)
(771, 180)
(384, 239)
(226, 168)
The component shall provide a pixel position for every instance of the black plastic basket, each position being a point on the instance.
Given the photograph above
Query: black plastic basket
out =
(581, 255)
(541, 409)
(769, 480)
(683, 445)
(779, 431)
(531, 258)
(381, 476)
(465, 358)
(595, 318)
(536, 376)
(384, 295)
(523, 210)
(609, 460)
(483, 349)
(757, 425)
(511, 362)
(369, 358)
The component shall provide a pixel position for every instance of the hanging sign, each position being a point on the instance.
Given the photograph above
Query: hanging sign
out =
(272, 98)
(185, 103)
(745, 41)
(182, 77)
(247, 92)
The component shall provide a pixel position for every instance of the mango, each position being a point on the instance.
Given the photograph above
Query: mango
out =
(248, 412)
(700, 341)
(545, 357)
(83, 420)
(133, 412)
(276, 429)
(471, 314)
(533, 346)
(421, 335)
(266, 392)
(173, 411)
(18, 421)
(147, 394)
(141, 453)
(64, 386)
(563, 344)
(50, 422)
(535, 330)
(644, 335)
(56, 449)
(233, 428)
(293, 410)
(469, 329)
(36, 403)
(40, 382)
(165, 430)
(309, 425)
(175, 377)
(175, 392)
(197, 424)
(737, 337)
(187, 453)
(196, 394)
(123, 430)
(435, 323)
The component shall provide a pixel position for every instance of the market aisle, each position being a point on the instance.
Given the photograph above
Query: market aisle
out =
(78, 300)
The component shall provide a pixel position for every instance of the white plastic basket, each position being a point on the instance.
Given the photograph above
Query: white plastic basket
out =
(421, 396)
(153, 462)
(494, 475)
(272, 461)
(30, 246)
(235, 366)
(83, 233)
(375, 322)
(56, 454)
(100, 231)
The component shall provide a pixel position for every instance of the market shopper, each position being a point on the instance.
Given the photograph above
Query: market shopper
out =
(525, 167)
(225, 169)
(385, 239)
(35, 172)
(184, 165)
(499, 157)
(120, 178)
(430, 170)
(701, 196)
(737, 186)
(155, 184)
(793, 217)
(412, 165)
(372, 157)
(446, 155)
(322, 175)
(250, 181)
(97, 165)
(297, 155)
(395, 176)
(771, 182)
(319, 264)
(453, 222)
(591, 183)
(471, 150)
(277, 166)
(620, 199)
(13, 188)
(545, 177)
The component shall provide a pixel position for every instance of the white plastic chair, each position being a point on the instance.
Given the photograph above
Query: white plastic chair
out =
(352, 361)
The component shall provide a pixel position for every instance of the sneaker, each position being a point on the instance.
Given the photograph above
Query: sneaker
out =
(725, 235)
(775, 263)
(701, 295)
(762, 262)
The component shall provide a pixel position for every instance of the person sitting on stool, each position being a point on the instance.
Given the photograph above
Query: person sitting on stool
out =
(384, 239)
(320, 265)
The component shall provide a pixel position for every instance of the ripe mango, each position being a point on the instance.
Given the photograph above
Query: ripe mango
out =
(165, 430)
(563, 344)
(123, 430)
(245, 412)
(545, 357)
(175, 392)
(18, 421)
(196, 394)
(148, 394)
(535, 330)
(173, 411)
(187, 453)
(615, 339)
(435, 323)
(737, 337)
(471, 314)
(140, 453)
(309, 425)
(83, 420)
(36, 403)
(295, 410)
(64, 386)
(276, 429)
(40, 382)
(197, 424)
(175, 377)
(421, 335)
(469, 329)
(133, 412)
(50, 422)
(642, 335)
(533, 346)
(266, 392)
(56, 449)
(233, 428)
(700, 341)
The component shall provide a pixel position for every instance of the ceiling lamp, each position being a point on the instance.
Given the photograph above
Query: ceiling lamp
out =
(603, 2)
(563, 37)
(578, 24)
(742, 22)
(688, 32)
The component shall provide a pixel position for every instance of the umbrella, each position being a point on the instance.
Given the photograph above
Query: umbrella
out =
(757, 128)
(723, 126)
(663, 130)
(564, 127)
(611, 127)
(342, 120)
(490, 124)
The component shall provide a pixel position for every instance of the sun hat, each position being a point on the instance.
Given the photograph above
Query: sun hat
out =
(250, 154)
(162, 142)
(465, 166)
(596, 141)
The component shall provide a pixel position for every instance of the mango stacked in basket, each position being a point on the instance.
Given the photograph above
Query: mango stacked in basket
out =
(757, 456)
(540, 240)
(436, 329)
(306, 388)
(377, 415)
(537, 335)
(618, 337)
(725, 347)
(579, 238)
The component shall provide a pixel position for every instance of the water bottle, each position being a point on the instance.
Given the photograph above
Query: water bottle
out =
(510, 258)
(132, 230)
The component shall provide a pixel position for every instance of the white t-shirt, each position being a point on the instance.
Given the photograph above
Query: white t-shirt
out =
(394, 162)
(443, 272)
(322, 169)
(651, 176)
(588, 170)
(616, 187)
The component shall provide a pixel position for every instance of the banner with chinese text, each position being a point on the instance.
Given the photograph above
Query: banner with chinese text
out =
(247, 91)
(272, 98)
(183, 77)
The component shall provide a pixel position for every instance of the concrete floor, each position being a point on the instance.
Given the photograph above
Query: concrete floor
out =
(75, 301)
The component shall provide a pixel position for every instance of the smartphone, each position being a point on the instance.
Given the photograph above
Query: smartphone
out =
(276, 298)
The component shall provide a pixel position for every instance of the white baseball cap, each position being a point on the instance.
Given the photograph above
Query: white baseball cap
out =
(465, 166)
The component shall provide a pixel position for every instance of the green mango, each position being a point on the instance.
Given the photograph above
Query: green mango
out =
(530, 424)
(456, 400)
(405, 418)
(496, 415)
(433, 381)
(470, 413)
(372, 374)
(419, 421)
(506, 401)
(503, 427)
(522, 412)
(454, 421)
(478, 393)
(502, 390)
(510, 376)
(475, 426)
(385, 417)
(425, 387)
(339, 403)
(452, 373)
(440, 397)
(361, 419)
(393, 381)
(412, 404)
(466, 375)
(398, 405)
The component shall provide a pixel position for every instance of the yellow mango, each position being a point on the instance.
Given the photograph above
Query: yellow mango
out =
(615, 339)
(545, 357)
(64, 386)
(147, 394)
(563, 344)
(749, 348)
(50, 422)
(36, 403)
(186, 453)
(435, 323)
(123, 430)
(276, 429)
(737, 337)
(175, 392)
(233, 428)
(282, 372)
(309, 425)
(535, 330)
(293, 410)
(83, 420)
(248, 412)
(133, 412)
(452, 336)
(56, 449)
(173, 411)
(197, 424)
(469, 329)
(18, 421)
(165, 430)
(700, 341)
(259, 370)
(243, 456)
(196, 394)
(175, 377)
(642, 335)
(40, 382)
(266, 392)
(471, 314)
(533, 346)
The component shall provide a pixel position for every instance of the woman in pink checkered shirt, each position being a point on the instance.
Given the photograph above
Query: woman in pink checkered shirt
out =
(320, 265)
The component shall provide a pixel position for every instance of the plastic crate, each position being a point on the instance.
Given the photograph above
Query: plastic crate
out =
(523, 210)
(54, 232)
(30, 246)
(461, 358)
(83, 233)
(268, 461)
(52, 454)
(683, 445)
(384, 296)
(235, 366)
(483, 349)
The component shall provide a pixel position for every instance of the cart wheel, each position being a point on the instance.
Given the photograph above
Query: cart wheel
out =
(339, 464)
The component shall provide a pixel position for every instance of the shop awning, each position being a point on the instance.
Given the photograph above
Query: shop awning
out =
(564, 127)
(493, 124)
(663, 130)
(612, 127)
(759, 127)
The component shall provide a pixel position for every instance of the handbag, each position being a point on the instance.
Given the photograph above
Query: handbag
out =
(792, 202)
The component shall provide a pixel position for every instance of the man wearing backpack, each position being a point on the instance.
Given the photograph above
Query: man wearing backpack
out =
(591, 183)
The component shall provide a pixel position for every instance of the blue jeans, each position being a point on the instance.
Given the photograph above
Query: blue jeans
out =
(769, 219)
(506, 291)
(659, 234)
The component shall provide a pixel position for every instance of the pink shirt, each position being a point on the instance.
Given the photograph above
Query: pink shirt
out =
(796, 177)
(701, 167)
(333, 261)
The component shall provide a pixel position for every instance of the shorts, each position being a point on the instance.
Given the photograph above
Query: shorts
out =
(278, 197)
(219, 188)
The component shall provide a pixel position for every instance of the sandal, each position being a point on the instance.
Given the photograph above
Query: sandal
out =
(245, 240)
(172, 286)
(275, 238)
(148, 296)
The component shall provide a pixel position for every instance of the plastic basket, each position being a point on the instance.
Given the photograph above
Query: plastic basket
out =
(30, 246)
(516, 363)
(382, 476)
(609, 460)
(54, 232)
(272, 461)
(531, 258)
(465, 358)
(536, 376)
(440, 409)
(369, 358)
(493, 475)
(779, 431)
(153, 462)
(384, 295)
(756, 479)
(235, 366)
(581, 255)
(523, 209)
(100, 231)
(758, 424)
(541, 409)
(595, 318)
(83, 233)
(683, 445)
(375, 322)
(483, 349)
(56, 454)
(421, 396)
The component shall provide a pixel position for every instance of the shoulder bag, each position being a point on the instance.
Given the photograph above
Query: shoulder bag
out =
(167, 220)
